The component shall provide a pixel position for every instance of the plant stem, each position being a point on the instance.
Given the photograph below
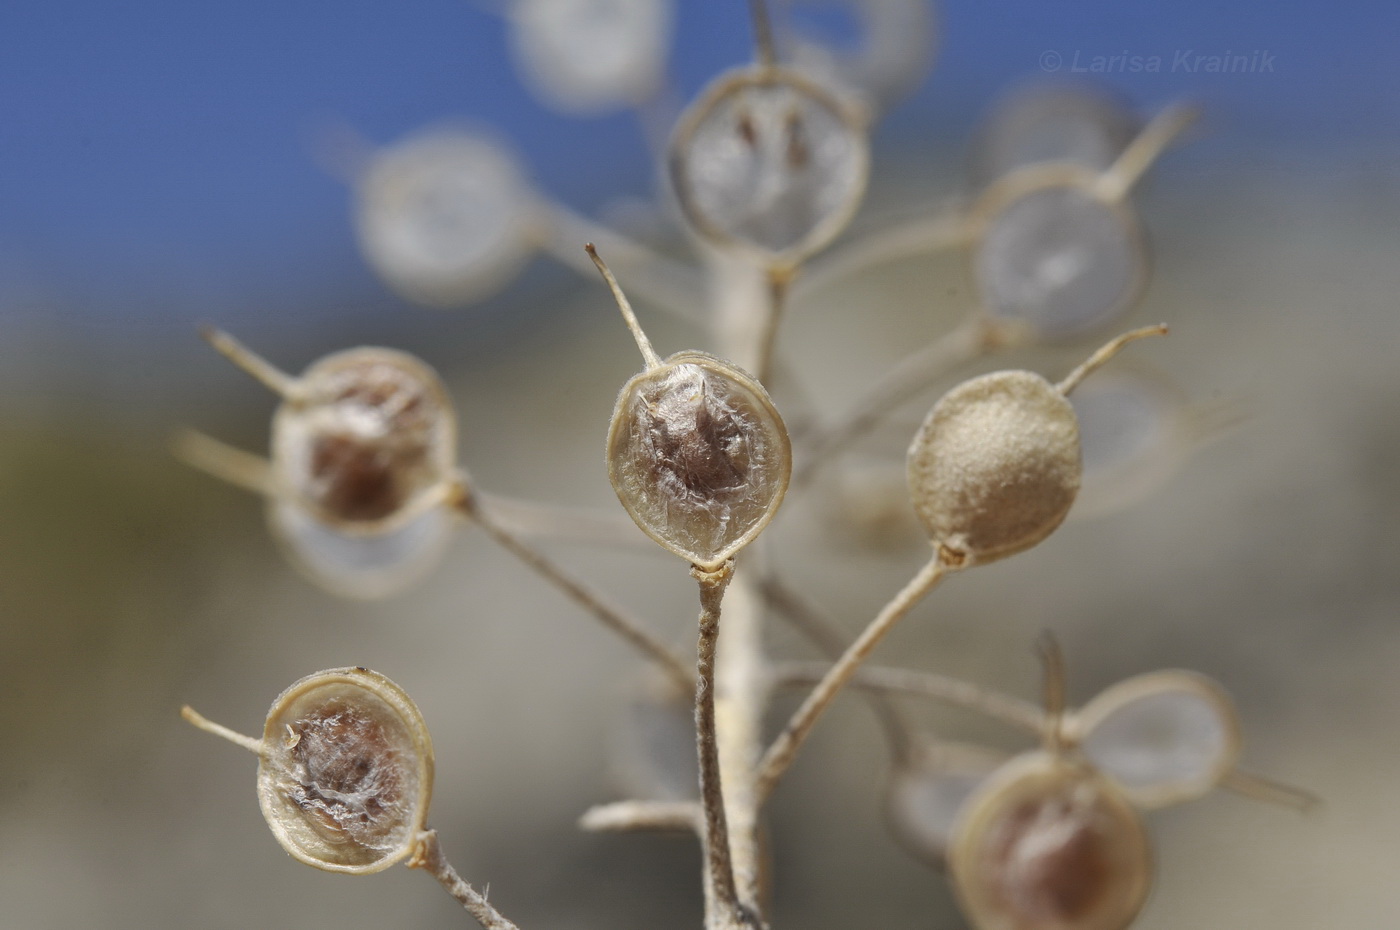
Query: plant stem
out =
(1013, 711)
(779, 283)
(611, 616)
(721, 896)
(784, 749)
(428, 856)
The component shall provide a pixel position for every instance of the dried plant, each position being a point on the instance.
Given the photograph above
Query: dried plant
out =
(767, 168)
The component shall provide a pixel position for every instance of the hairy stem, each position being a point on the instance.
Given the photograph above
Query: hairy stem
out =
(429, 857)
(784, 749)
(721, 896)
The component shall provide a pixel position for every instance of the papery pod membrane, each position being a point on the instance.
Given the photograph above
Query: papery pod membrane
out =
(995, 466)
(1046, 843)
(1164, 737)
(346, 771)
(698, 456)
(770, 163)
(368, 437)
(927, 793)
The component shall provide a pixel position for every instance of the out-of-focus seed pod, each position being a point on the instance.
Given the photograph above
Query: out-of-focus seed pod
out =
(1164, 737)
(769, 162)
(1046, 843)
(445, 217)
(590, 56)
(1052, 252)
(891, 53)
(1077, 123)
(365, 439)
(927, 793)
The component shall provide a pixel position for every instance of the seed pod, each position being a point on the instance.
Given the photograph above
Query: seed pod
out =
(586, 57)
(769, 162)
(1046, 843)
(698, 456)
(996, 465)
(346, 771)
(1163, 737)
(927, 793)
(445, 217)
(365, 440)
(1053, 252)
(1080, 124)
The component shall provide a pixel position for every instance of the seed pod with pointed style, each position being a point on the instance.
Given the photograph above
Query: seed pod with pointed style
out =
(995, 466)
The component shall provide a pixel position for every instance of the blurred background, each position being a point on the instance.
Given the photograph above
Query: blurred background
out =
(168, 165)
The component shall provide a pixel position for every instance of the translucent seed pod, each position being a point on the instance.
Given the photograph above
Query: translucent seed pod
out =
(1081, 124)
(445, 217)
(698, 456)
(1046, 843)
(359, 565)
(588, 56)
(926, 795)
(1051, 252)
(345, 770)
(891, 54)
(996, 464)
(365, 441)
(770, 163)
(1163, 737)
(697, 453)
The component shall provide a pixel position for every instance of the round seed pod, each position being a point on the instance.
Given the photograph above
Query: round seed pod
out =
(926, 795)
(1046, 843)
(445, 218)
(1052, 253)
(588, 56)
(1081, 124)
(995, 466)
(359, 565)
(346, 771)
(698, 456)
(770, 163)
(1164, 737)
(366, 441)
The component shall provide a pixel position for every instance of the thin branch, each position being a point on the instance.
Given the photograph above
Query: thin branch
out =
(1146, 148)
(806, 618)
(1105, 352)
(779, 283)
(191, 715)
(910, 682)
(242, 469)
(721, 895)
(628, 315)
(564, 523)
(273, 378)
(639, 816)
(1259, 788)
(614, 618)
(429, 857)
(924, 235)
(784, 749)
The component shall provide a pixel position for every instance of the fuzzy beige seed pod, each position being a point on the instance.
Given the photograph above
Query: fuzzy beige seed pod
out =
(1046, 843)
(996, 465)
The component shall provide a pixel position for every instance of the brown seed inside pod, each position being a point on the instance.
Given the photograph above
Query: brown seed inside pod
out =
(698, 456)
(995, 466)
(369, 433)
(1048, 844)
(346, 771)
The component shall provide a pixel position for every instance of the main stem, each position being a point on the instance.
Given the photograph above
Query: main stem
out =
(722, 910)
